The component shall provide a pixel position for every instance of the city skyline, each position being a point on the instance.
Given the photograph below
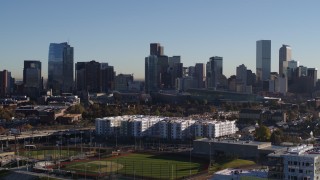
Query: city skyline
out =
(117, 34)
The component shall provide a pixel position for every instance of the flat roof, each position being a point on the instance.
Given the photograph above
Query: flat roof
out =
(241, 172)
(231, 141)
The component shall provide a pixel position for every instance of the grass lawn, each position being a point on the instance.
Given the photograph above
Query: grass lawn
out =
(94, 167)
(3, 173)
(55, 154)
(143, 165)
(159, 166)
(236, 163)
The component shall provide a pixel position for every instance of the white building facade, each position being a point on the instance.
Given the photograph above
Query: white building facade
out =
(163, 127)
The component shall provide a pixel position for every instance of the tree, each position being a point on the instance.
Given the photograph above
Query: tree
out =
(276, 137)
(263, 133)
(76, 109)
(6, 114)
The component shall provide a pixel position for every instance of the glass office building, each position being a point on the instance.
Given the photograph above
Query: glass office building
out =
(60, 68)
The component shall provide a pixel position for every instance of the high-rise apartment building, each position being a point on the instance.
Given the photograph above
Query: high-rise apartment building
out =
(32, 78)
(214, 71)
(60, 68)
(263, 60)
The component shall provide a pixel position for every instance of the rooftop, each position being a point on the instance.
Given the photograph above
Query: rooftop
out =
(234, 141)
(234, 173)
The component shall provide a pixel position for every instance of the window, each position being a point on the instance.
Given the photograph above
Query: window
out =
(300, 171)
(307, 164)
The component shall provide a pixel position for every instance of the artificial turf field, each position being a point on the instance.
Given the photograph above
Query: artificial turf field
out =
(55, 154)
(141, 165)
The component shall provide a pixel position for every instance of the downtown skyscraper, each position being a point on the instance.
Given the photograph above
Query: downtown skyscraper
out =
(32, 79)
(60, 68)
(94, 77)
(156, 69)
(284, 58)
(263, 60)
(214, 72)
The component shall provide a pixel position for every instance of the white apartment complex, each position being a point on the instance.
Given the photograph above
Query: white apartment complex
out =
(163, 127)
(214, 129)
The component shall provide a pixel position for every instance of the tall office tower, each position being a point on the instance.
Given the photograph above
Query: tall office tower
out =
(81, 76)
(60, 68)
(157, 75)
(5, 83)
(191, 71)
(122, 81)
(177, 72)
(251, 78)
(175, 68)
(32, 78)
(242, 74)
(292, 66)
(107, 77)
(301, 71)
(94, 77)
(151, 74)
(200, 74)
(312, 73)
(214, 72)
(263, 60)
(284, 59)
(174, 59)
(156, 49)
(165, 78)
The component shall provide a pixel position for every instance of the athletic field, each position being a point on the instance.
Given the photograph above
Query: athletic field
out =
(140, 165)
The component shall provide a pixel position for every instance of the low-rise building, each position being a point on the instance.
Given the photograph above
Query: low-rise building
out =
(46, 114)
(69, 118)
(234, 147)
(300, 162)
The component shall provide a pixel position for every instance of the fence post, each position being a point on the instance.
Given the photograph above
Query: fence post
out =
(176, 171)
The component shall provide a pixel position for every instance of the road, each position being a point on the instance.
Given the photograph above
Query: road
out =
(42, 133)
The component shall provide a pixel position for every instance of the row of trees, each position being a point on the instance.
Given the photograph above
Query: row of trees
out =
(264, 134)
(170, 110)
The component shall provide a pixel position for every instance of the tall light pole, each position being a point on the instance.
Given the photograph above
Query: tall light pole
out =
(190, 155)
(81, 140)
(209, 156)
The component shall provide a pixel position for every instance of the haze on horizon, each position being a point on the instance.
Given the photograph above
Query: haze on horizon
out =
(119, 32)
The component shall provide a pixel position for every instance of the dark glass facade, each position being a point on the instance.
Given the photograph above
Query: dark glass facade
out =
(60, 68)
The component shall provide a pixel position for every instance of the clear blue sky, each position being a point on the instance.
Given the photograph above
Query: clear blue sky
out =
(119, 31)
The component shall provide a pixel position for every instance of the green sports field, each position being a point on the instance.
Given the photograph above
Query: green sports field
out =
(55, 154)
(141, 165)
